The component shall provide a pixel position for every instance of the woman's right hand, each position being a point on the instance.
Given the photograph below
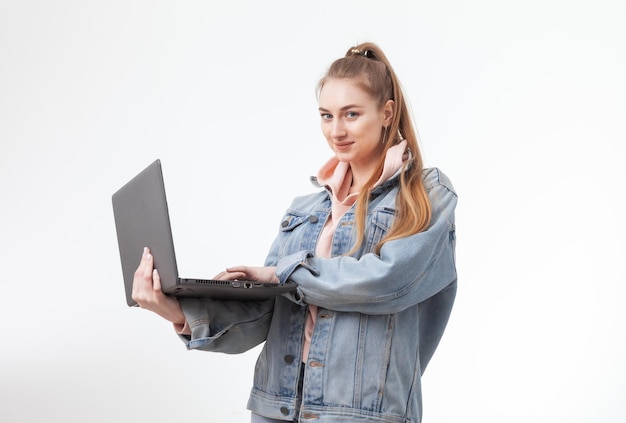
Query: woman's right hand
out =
(147, 292)
(251, 273)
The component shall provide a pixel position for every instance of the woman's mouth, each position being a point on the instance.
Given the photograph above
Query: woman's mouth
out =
(343, 145)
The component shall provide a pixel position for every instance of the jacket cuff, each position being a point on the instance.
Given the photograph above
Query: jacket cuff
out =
(288, 264)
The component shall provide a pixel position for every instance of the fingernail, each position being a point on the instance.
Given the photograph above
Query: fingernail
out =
(145, 250)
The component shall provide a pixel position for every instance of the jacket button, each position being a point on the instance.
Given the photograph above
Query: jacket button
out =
(284, 223)
(289, 358)
(284, 410)
(313, 219)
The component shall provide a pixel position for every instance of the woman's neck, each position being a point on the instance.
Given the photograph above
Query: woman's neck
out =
(360, 175)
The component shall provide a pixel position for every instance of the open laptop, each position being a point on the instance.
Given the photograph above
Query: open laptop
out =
(142, 220)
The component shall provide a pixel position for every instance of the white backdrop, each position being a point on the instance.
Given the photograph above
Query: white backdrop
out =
(522, 104)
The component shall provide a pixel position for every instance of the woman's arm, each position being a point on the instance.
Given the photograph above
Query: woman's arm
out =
(221, 326)
(407, 271)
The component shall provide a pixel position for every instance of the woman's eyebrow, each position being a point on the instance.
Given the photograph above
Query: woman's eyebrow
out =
(349, 106)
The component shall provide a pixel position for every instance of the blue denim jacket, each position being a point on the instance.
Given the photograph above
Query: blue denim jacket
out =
(379, 320)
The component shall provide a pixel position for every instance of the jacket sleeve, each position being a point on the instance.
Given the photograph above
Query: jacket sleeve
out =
(230, 327)
(407, 271)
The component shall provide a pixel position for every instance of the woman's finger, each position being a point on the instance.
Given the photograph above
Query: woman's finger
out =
(229, 276)
(147, 262)
(242, 269)
(156, 280)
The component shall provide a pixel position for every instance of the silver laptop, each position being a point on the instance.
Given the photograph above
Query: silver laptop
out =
(142, 220)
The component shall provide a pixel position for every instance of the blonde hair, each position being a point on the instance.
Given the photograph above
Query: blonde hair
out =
(413, 211)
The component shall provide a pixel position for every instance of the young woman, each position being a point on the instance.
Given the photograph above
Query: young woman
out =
(373, 253)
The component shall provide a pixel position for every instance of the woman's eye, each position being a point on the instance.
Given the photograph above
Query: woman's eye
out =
(352, 114)
(326, 116)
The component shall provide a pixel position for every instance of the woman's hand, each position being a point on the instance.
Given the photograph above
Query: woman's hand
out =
(148, 294)
(249, 273)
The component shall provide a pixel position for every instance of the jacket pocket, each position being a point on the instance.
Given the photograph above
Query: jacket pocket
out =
(380, 223)
(292, 233)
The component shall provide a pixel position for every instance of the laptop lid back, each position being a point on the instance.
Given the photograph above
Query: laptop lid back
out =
(142, 220)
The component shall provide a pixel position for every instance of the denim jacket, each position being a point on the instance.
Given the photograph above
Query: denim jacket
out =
(380, 316)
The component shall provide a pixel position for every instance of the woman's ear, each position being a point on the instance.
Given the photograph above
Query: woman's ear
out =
(388, 112)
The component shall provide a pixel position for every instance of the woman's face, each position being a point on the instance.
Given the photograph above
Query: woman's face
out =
(353, 123)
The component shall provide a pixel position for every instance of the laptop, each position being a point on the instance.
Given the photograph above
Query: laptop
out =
(142, 220)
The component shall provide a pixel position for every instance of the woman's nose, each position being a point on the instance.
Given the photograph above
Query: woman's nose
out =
(338, 129)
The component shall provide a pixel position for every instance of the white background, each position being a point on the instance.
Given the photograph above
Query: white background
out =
(522, 104)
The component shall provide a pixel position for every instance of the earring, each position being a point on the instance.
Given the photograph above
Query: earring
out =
(384, 140)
